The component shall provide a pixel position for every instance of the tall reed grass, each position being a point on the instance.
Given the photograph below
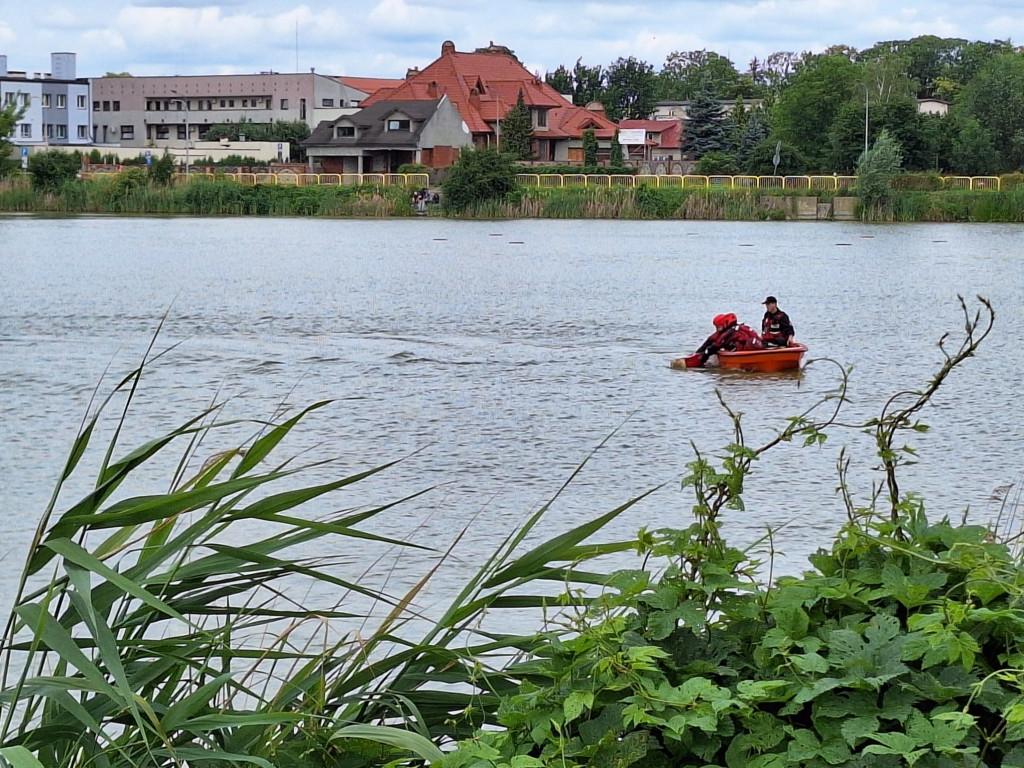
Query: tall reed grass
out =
(170, 629)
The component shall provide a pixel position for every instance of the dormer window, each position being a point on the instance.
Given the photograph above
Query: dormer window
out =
(345, 132)
(398, 125)
(542, 118)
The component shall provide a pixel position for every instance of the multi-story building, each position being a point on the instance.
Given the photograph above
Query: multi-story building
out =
(55, 104)
(168, 111)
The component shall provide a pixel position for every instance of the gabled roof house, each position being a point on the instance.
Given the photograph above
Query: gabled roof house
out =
(482, 87)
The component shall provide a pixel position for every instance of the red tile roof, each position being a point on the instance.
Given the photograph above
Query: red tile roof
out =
(669, 132)
(485, 86)
(370, 85)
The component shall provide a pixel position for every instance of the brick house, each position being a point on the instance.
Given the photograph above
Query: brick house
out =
(482, 87)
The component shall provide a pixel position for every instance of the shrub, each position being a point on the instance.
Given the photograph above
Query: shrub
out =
(51, 169)
(413, 168)
(1010, 181)
(717, 164)
(479, 176)
(918, 181)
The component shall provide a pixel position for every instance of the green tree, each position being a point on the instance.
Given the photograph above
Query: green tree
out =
(632, 89)
(686, 72)
(9, 117)
(717, 164)
(162, 169)
(589, 148)
(760, 161)
(561, 80)
(899, 117)
(807, 108)
(972, 152)
(517, 131)
(479, 176)
(616, 160)
(754, 131)
(706, 127)
(995, 98)
(875, 172)
(50, 170)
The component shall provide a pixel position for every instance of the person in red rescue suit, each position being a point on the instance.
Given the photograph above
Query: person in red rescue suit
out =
(776, 330)
(730, 336)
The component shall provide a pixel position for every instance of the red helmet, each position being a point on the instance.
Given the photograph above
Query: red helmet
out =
(729, 319)
(719, 321)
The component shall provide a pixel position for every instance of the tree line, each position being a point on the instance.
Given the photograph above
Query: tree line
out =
(817, 109)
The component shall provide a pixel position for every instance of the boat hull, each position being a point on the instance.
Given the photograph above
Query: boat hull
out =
(764, 360)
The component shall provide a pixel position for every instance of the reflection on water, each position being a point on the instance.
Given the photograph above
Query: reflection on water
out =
(494, 369)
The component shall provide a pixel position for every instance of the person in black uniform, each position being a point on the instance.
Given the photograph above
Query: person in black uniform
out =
(776, 329)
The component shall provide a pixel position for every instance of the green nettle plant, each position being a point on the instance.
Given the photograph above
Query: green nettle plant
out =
(903, 646)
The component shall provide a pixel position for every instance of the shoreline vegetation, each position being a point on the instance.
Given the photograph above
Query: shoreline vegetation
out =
(172, 629)
(226, 198)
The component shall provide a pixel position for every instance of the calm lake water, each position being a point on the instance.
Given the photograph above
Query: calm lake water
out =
(494, 357)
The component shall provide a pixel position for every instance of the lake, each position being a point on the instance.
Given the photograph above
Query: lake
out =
(494, 357)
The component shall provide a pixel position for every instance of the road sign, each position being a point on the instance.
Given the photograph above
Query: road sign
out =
(24, 158)
(777, 158)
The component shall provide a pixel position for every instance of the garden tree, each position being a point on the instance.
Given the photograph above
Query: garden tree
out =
(773, 74)
(560, 80)
(995, 98)
(293, 132)
(517, 131)
(805, 111)
(585, 84)
(632, 91)
(589, 148)
(684, 72)
(162, 169)
(706, 127)
(616, 160)
(841, 49)
(899, 117)
(759, 161)
(886, 79)
(753, 131)
(876, 170)
(479, 176)
(9, 117)
(971, 152)
(52, 169)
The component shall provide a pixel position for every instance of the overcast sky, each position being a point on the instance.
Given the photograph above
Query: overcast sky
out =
(383, 38)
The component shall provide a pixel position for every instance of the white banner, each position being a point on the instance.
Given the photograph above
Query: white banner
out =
(632, 136)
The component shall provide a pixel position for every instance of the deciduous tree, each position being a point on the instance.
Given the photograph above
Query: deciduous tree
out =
(9, 117)
(632, 89)
(685, 72)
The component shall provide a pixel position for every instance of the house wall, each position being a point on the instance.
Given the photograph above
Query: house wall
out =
(149, 106)
(443, 136)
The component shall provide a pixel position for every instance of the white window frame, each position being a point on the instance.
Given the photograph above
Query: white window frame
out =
(62, 101)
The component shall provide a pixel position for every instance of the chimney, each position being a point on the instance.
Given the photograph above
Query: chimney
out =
(411, 72)
(447, 47)
(62, 66)
(3, 65)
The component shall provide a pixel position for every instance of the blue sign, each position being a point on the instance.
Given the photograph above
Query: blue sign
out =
(24, 158)
(24, 151)
(149, 157)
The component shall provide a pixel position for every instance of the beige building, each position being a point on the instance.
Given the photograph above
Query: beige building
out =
(168, 111)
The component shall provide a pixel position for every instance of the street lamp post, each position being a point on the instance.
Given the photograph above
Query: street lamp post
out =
(865, 117)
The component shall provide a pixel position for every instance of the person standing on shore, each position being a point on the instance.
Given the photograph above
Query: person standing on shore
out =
(776, 329)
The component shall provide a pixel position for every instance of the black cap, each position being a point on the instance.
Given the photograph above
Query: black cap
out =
(770, 300)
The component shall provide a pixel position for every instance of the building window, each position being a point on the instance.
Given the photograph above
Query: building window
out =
(231, 102)
(62, 101)
(8, 98)
(62, 131)
(223, 103)
(354, 103)
(81, 132)
(48, 130)
(163, 132)
(117, 105)
(26, 130)
(209, 105)
(95, 106)
(302, 109)
(106, 106)
(81, 102)
(542, 118)
(328, 102)
(181, 132)
(203, 130)
(127, 132)
(398, 125)
(26, 99)
(245, 103)
(46, 100)
(284, 103)
(270, 103)
(345, 131)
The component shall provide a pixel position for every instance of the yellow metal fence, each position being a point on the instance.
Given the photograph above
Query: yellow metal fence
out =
(556, 180)
(552, 180)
